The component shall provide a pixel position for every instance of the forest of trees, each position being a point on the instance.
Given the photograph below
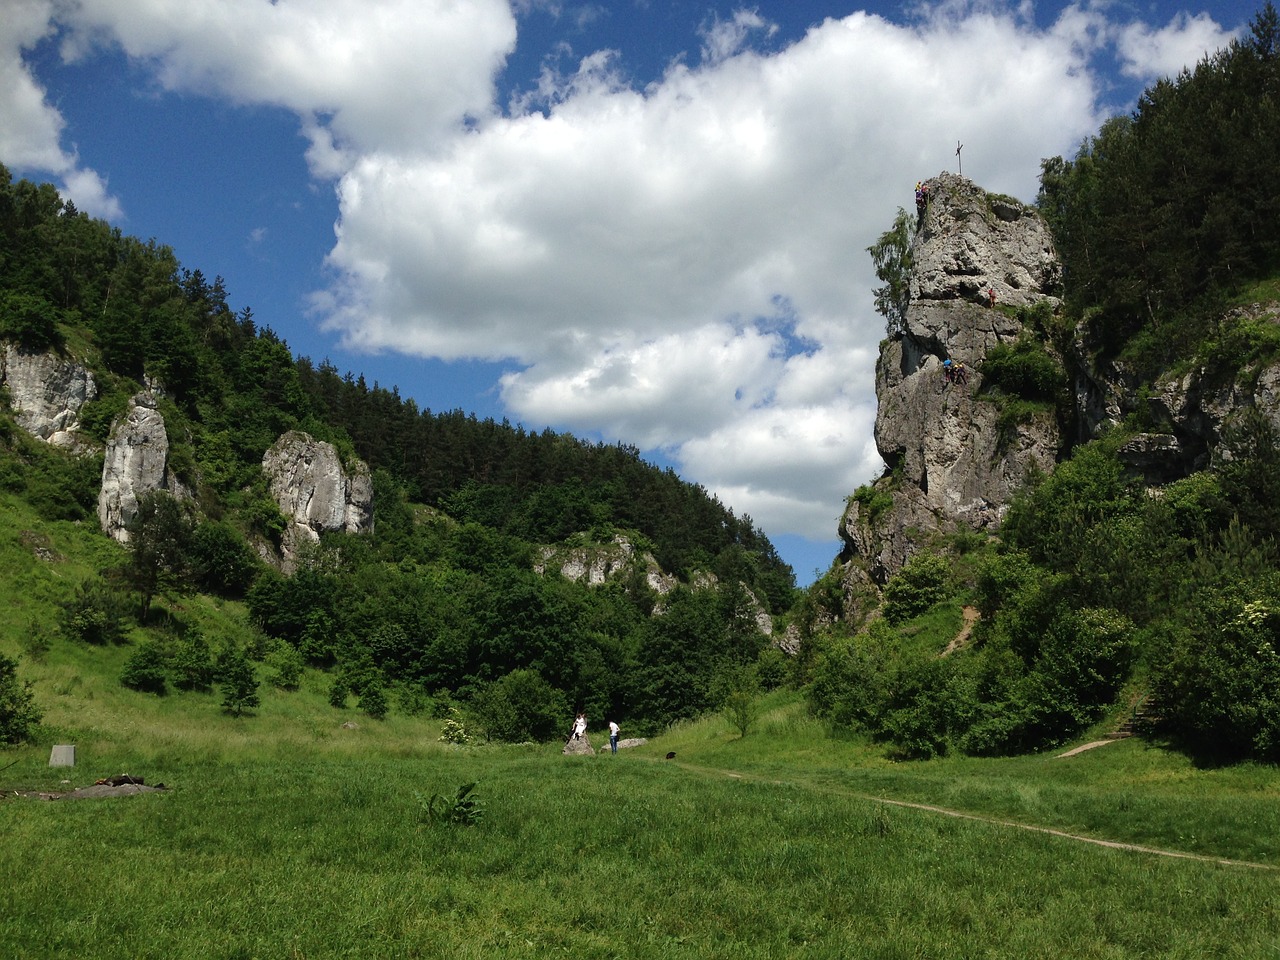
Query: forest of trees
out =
(1098, 592)
(440, 604)
(1167, 210)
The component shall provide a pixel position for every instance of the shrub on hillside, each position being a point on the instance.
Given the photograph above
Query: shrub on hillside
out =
(915, 588)
(519, 707)
(96, 613)
(237, 680)
(1024, 370)
(284, 666)
(19, 715)
(223, 563)
(192, 663)
(144, 671)
(30, 320)
(1217, 679)
(374, 702)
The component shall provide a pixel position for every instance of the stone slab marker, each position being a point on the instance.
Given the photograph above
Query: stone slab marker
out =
(63, 755)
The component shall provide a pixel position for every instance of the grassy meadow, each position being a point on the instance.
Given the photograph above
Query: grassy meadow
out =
(284, 834)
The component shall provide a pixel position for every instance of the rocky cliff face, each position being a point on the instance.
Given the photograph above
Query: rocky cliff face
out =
(315, 493)
(136, 463)
(1191, 409)
(46, 393)
(952, 464)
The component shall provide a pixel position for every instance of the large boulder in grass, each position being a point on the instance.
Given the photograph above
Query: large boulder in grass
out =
(577, 748)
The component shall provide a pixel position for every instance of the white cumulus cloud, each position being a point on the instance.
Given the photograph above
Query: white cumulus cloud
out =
(1148, 53)
(30, 128)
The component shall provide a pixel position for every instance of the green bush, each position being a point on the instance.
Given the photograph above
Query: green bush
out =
(521, 706)
(373, 701)
(922, 582)
(223, 563)
(237, 680)
(849, 677)
(1217, 678)
(97, 613)
(284, 666)
(144, 671)
(192, 663)
(19, 715)
(30, 320)
(1023, 369)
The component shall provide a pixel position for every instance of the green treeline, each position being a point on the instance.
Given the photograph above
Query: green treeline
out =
(1167, 211)
(441, 605)
(1103, 598)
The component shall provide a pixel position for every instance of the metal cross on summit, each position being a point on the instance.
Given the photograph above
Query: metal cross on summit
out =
(959, 162)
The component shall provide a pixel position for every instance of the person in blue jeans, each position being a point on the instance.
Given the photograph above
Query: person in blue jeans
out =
(613, 736)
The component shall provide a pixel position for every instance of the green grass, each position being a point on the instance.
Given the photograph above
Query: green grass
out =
(285, 834)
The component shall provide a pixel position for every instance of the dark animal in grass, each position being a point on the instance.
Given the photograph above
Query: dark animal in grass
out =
(671, 755)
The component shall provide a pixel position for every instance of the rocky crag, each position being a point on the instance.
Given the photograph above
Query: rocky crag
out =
(618, 561)
(46, 394)
(951, 464)
(315, 492)
(136, 463)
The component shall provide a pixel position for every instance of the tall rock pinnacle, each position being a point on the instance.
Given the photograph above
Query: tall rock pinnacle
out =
(979, 263)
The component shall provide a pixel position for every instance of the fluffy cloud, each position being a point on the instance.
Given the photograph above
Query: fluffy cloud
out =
(30, 128)
(681, 266)
(1183, 42)
(684, 266)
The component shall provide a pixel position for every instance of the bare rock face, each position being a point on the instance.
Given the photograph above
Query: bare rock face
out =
(314, 492)
(46, 393)
(952, 464)
(136, 463)
(971, 242)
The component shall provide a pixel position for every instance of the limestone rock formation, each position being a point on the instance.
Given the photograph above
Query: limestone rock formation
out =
(136, 463)
(46, 393)
(1190, 409)
(314, 492)
(952, 463)
(598, 563)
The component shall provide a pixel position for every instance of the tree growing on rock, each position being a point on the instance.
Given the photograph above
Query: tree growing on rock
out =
(892, 257)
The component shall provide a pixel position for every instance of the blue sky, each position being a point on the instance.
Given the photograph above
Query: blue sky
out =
(642, 220)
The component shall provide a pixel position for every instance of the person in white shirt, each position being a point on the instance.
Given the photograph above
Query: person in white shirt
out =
(613, 736)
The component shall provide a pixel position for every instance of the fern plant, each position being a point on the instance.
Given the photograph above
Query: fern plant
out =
(462, 808)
